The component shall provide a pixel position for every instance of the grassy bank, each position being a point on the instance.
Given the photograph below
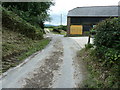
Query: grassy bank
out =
(16, 47)
(99, 75)
(20, 39)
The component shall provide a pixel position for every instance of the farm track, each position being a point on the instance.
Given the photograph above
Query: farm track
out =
(53, 67)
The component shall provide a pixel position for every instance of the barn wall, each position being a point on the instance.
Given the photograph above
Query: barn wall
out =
(87, 27)
(86, 20)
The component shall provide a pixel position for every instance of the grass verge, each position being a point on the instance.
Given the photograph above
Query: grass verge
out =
(16, 47)
(99, 76)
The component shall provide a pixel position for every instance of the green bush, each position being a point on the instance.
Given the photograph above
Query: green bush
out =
(64, 28)
(107, 40)
(86, 33)
(88, 46)
(61, 27)
(108, 33)
(112, 56)
(92, 32)
(15, 23)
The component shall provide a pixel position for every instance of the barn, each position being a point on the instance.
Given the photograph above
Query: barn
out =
(82, 19)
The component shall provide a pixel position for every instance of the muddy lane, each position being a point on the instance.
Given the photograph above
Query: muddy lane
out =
(55, 66)
(43, 75)
(35, 70)
(67, 78)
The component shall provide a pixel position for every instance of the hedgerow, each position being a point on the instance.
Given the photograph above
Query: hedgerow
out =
(104, 56)
(107, 40)
(15, 23)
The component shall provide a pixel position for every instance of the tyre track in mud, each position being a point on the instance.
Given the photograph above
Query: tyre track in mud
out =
(56, 66)
(43, 76)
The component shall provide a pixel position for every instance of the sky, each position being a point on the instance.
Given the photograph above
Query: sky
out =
(63, 6)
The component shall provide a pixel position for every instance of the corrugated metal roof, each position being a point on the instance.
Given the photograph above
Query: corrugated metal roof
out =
(95, 11)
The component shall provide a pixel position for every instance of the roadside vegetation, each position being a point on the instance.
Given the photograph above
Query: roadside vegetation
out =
(22, 31)
(103, 57)
(61, 29)
(16, 47)
(15, 23)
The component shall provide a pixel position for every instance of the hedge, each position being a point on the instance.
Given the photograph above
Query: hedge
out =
(14, 22)
(107, 40)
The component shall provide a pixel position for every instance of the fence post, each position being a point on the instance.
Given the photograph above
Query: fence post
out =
(89, 39)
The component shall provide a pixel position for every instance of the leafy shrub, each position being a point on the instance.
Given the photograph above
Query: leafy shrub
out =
(88, 46)
(14, 22)
(86, 33)
(92, 32)
(112, 56)
(108, 33)
(64, 28)
(61, 27)
(107, 40)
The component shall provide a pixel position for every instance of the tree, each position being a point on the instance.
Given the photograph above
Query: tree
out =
(35, 13)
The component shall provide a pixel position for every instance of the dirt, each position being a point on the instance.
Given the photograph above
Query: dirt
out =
(81, 70)
(10, 61)
(44, 74)
(56, 66)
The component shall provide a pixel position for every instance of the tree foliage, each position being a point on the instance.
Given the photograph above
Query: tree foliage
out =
(35, 13)
(15, 23)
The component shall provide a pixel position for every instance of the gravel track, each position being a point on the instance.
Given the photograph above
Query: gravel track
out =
(55, 66)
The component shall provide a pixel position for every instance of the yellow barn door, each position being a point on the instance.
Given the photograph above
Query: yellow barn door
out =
(76, 29)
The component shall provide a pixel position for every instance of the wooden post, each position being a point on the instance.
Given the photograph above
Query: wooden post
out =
(89, 36)
(89, 39)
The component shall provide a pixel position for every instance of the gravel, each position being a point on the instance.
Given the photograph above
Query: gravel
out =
(53, 67)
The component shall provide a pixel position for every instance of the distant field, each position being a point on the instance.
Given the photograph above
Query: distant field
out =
(62, 32)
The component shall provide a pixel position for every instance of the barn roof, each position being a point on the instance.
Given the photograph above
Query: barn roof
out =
(95, 11)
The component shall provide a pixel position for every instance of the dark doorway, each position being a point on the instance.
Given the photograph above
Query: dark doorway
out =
(87, 27)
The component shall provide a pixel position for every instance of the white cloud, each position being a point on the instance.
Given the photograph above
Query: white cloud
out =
(63, 6)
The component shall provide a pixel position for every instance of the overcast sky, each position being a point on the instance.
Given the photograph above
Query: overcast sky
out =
(63, 6)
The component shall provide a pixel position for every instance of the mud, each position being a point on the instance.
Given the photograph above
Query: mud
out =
(56, 66)
(44, 74)
(81, 72)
